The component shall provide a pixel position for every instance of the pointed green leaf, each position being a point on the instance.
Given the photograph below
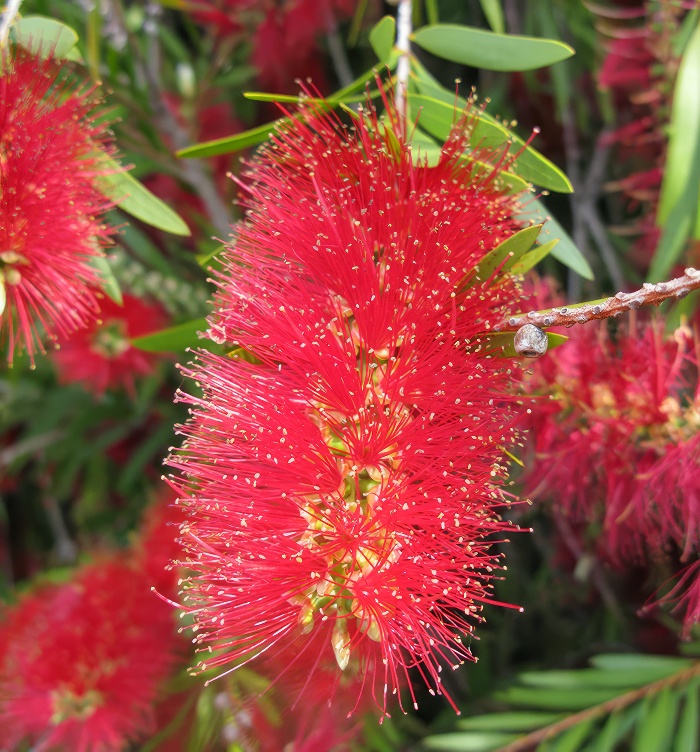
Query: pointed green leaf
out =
(255, 136)
(512, 721)
(682, 168)
(572, 739)
(382, 36)
(493, 10)
(44, 36)
(134, 198)
(236, 142)
(687, 737)
(486, 49)
(595, 677)
(505, 254)
(655, 730)
(566, 251)
(675, 234)
(109, 281)
(468, 742)
(556, 699)
(628, 661)
(533, 257)
(616, 726)
(173, 338)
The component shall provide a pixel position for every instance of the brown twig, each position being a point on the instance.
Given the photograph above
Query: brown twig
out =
(649, 294)
(605, 708)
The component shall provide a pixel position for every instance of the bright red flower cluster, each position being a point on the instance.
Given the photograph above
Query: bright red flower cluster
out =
(81, 663)
(617, 445)
(343, 466)
(51, 208)
(101, 356)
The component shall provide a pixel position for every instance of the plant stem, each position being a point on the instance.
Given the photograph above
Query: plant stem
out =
(403, 45)
(649, 294)
(617, 703)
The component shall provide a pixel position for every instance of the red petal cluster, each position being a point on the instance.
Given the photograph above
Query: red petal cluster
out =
(617, 444)
(101, 356)
(343, 466)
(50, 206)
(81, 663)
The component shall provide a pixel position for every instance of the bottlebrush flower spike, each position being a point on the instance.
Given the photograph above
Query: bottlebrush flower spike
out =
(101, 356)
(50, 206)
(343, 467)
(81, 663)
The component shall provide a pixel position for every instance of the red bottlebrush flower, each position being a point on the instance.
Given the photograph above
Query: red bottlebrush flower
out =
(51, 208)
(81, 663)
(342, 469)
(101, 356)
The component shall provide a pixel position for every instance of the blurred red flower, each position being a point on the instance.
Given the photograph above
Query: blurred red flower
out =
(343, 468)
(101, 356)
(51, 208)
(616, 445)
(81, 663)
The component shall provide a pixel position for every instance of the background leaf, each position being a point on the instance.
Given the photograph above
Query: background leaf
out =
(486, 49)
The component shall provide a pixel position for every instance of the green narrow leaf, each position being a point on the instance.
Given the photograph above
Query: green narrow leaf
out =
(134, 198)
(468, 742)
(255, 136)
(431, 11)
(566, 251)
(382, 36)
(510, 721)
(674, 236)
(627, 661)
(682, 168)
(109, 281)
(655, 730)
(505, 254)
(616, 726)
(486, 49)
(596, 677)
(687, 739)
(533, 257)
(173, 338)
(572, 739)
(356, 24)
(236, 142)
(493, 11)
(577, 698)
(504, 346)
(44, 36)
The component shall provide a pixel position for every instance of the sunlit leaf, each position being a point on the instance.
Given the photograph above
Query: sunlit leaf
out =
(382, 36)
(174, 338)
(485, 49)
(44, 36)
(134, 198)
(682, 166)
(510, 721)
(468, 742)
